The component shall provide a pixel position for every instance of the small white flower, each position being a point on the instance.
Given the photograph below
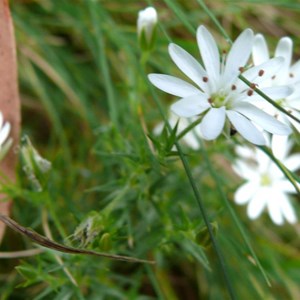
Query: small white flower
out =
(146, 24)
(289, 75)
(266, 186)
(190, 138)
(5, 143)
(218, 93)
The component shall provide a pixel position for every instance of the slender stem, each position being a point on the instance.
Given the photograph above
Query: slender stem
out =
(199, 203)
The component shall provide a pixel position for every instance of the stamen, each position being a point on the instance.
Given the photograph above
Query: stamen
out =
(253, 86)
(273, 77)
(205, 79)
(210, 100)
(291, 75)
(250, 93)
(261, 73)
(233, 87)
(241, 69)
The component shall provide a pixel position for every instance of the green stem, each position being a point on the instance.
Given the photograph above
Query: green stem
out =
(199, 202)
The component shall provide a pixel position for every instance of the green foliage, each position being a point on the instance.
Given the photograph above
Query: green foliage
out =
(114, 185)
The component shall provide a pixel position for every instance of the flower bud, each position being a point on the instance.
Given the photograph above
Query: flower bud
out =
(146, 27)
(34, 165)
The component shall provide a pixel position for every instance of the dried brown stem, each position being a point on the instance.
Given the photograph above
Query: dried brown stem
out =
(45, 242)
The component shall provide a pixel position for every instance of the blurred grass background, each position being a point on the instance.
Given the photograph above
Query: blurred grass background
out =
(84, 93)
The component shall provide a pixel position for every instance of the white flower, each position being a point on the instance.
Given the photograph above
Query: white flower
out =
(218, 92)
(288, 75)
(266, 185)
(4, 133)
(190, 138)
(146, 23)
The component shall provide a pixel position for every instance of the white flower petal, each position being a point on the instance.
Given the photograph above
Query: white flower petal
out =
(191, 140)
(244, 152)
(275, 197)
(288, 210)
(262, 119)
(245, 192)
(210, 54)
(190, 106)
(173, 85)
(280, 146)
(295, 69)
(4, 133)
(188, 65)
(262, 79)
(246, 128)
(213, 123)
(263, 161)
(257, 204)
(278, 92)
(245, 170)
(285, 186)
(295, 104)
(293, 162)
(284, 49)
(260, 52)
(238, 56)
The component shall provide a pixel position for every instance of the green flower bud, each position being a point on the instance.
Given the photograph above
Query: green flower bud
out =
(146, 27)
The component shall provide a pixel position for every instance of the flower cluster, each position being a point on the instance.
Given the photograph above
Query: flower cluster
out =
(221, 99)
(289, 75)
(218, 96)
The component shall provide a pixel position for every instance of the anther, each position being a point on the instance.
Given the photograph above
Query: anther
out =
(273, 77)
(250, 93)
(233, 87)
(253, 86)
(210, 100)
(205, 79)
(261, 72)
(241, 69)
(291, 75)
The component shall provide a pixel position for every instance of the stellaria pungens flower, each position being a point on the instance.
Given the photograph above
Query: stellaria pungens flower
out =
(289, 75)
(219, 96)
(266, 186)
